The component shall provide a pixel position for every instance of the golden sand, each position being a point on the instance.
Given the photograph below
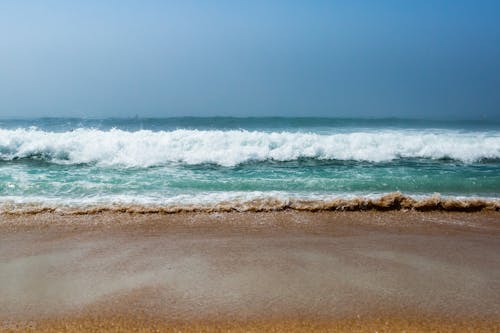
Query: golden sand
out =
(384, 324)
(251, 272)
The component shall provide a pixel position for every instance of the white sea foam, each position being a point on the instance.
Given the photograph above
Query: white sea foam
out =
(228, 148)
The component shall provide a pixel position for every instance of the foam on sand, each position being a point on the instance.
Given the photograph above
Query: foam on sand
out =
(388, 202)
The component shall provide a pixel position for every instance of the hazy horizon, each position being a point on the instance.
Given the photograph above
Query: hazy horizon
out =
(242, 117)
(341, 59)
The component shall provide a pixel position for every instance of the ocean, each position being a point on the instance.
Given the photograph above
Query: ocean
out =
(242, 163)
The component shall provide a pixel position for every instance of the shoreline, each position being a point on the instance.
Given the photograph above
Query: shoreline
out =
(244, 271)
(394, 201)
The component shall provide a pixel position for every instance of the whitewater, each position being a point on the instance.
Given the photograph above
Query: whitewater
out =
(147, 148)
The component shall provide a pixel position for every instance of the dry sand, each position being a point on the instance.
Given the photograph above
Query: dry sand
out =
(274, 271)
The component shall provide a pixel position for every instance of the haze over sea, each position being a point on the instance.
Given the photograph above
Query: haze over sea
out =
(71, 162)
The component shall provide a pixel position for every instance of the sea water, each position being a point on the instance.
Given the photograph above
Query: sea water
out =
(70, 162)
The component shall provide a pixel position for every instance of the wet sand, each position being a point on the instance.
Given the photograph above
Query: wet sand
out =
(281, 271)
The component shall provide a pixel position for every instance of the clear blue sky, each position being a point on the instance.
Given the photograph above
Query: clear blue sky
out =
(438, 59)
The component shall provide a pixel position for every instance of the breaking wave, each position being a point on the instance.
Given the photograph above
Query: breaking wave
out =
(145, 148)
(389, 202)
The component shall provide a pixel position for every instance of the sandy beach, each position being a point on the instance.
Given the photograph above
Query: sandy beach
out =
(271, 271)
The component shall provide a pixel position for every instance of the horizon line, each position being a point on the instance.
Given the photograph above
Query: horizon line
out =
(136, 117)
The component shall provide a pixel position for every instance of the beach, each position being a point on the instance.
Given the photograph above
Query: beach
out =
(257, 166)
(252, 271)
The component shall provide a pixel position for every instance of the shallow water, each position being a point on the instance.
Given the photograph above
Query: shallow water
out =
(192, 161)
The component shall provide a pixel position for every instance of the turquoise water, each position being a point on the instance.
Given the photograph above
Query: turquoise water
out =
(210, 160)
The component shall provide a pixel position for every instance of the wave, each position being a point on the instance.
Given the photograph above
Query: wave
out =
(390, 202)
(145, 148)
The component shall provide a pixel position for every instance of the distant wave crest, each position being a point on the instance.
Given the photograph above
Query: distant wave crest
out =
(146, 148)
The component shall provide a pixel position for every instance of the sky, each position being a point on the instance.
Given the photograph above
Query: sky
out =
(407, 59)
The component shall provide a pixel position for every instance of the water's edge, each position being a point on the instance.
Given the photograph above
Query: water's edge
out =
(391, 202)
